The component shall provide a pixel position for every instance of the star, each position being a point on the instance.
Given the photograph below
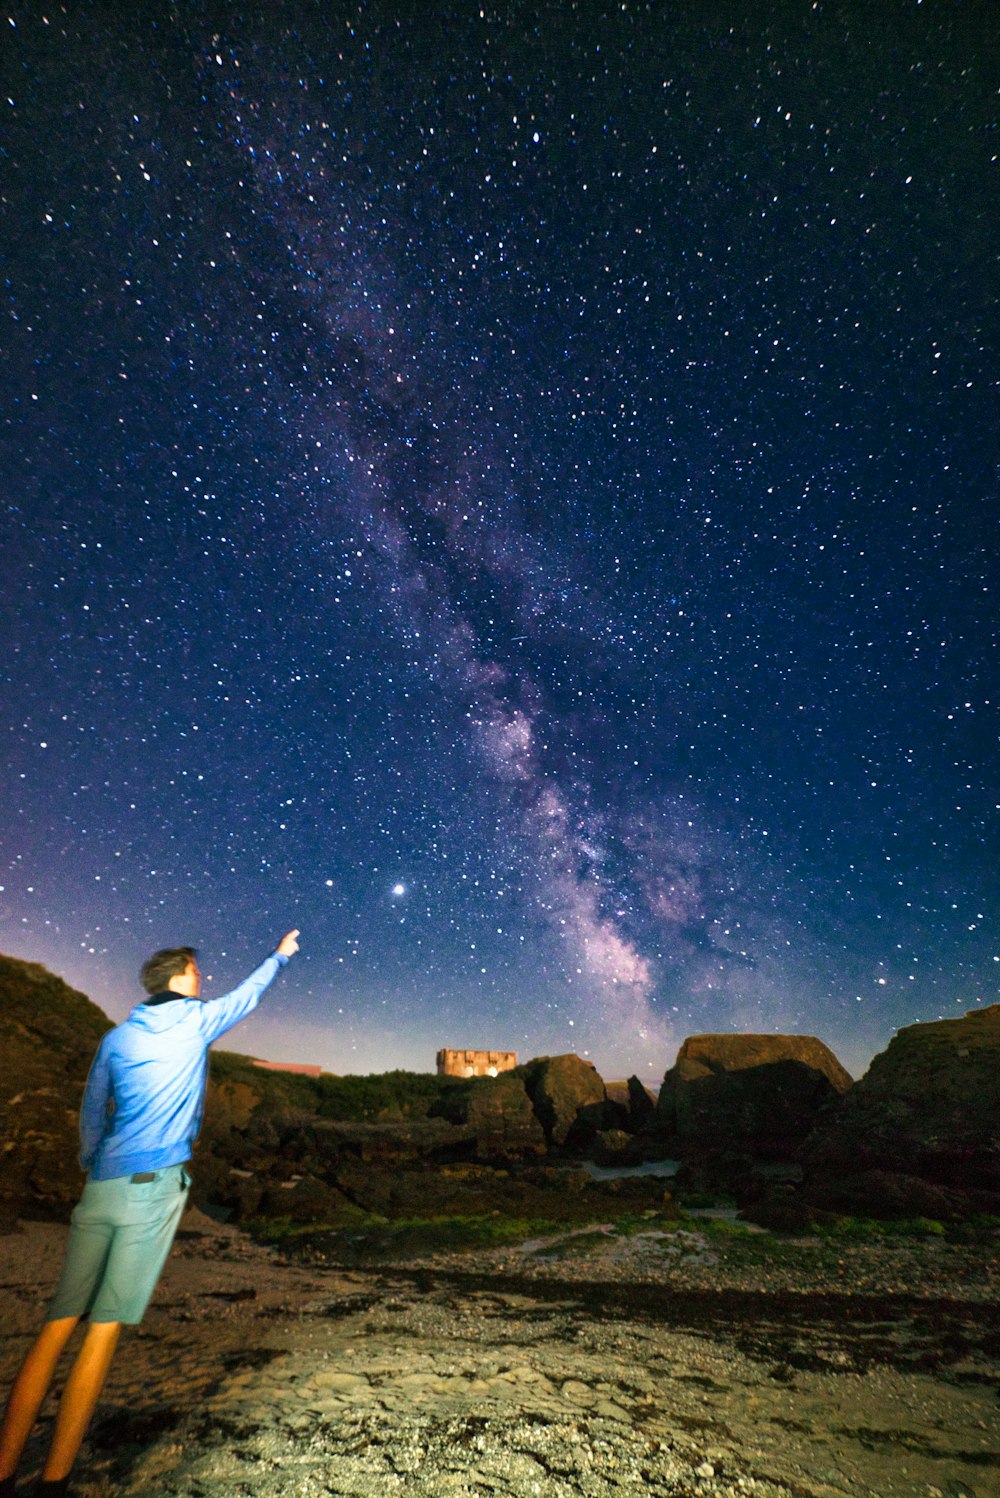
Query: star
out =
(579, 508)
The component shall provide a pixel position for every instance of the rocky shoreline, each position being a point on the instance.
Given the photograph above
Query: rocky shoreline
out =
(673, 1359)
(451, 1303)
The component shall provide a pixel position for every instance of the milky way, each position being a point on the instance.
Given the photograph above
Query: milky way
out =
(508, 493)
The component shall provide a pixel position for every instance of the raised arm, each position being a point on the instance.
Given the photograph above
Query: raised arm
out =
(219, 1015)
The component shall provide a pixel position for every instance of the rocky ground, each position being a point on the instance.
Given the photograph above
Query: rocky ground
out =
(671, 1359)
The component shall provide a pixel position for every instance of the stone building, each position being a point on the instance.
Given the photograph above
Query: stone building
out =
(297, 1068)
(474, 1063)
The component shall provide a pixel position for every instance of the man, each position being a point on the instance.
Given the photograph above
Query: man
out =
(140, 1118)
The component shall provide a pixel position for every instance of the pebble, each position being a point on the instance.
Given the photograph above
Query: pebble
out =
(396, 1382)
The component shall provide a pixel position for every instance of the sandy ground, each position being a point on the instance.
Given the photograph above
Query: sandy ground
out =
(611, 1367)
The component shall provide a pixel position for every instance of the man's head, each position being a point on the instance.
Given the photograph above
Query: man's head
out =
(173, 970)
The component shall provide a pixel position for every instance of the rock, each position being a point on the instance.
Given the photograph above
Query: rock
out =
(641, 1105)
(241, 1192)
(617, 1092)
(384, 1146)
(629, 1106)
(567, 1095)
(892, 1194)
(928, 1107)
(557, 1179)
(762, 1094)
(592, 1120)
(474, 1190)
(630, 1193)
(716, 1173)
(48, 1035)
(305, 1200)
(782, 1209)
(613, 1147)
(498, 1112)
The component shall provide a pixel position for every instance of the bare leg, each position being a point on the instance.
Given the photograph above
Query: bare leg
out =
(30, 1388)
(83, 1388)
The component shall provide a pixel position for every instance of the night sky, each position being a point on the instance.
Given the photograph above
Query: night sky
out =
(508, 490)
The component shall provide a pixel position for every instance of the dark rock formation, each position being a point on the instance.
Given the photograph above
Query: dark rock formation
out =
(568, 1097)
(892, 1194)
(614, 1147)
(641, 1106)
(389, 1145)
(48, 1035)
(756, 1094)
(927, 1110)
(497, 1111)
(302, 1200)
(716, 1173)
(617, 1092)
(500, 1114)
(782, 1209)
(631, 1106)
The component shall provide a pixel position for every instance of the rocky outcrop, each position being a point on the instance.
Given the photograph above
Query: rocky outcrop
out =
(632, 1106)
(498, 1112)
(303, 1199)
(893, 1194)
(927, 1110)
(758, 1094)
(641, 1106)
(48, 1035)
(568, 1097)
(614, 1147)
(919, 1136)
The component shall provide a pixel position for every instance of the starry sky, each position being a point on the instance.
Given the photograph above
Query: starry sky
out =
(508, 490)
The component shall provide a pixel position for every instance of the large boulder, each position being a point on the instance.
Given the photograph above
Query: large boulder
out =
(48, 1035)
(498, 1110)
(892, 1194)
(641, 1105)
(303, 1199)
(568, 1097)
(759, 1094)
(614, 1147)
(631, 1105)
(928, 1107)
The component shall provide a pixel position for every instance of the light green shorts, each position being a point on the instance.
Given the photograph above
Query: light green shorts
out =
(120, 1235)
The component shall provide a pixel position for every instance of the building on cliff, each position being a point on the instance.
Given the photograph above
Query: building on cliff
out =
(474, 1063)
(297, 1068)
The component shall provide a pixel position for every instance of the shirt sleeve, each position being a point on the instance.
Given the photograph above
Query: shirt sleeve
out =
(219, 1015)
(97, 1098)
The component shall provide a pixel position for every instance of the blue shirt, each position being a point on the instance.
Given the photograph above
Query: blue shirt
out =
(145, 1093)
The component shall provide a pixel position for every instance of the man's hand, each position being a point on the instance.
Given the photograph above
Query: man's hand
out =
(288, 945)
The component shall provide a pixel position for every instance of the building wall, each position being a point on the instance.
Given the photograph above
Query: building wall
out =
(298, 1068)
(474, 1063)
